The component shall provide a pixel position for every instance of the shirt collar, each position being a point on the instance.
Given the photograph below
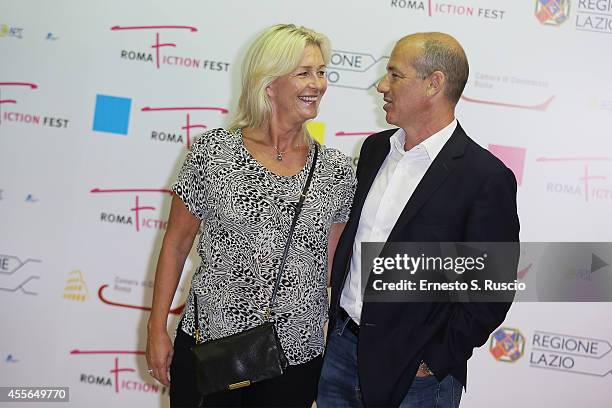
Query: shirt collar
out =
(433, 144)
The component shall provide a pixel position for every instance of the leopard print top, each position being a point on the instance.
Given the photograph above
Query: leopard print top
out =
(246, 212)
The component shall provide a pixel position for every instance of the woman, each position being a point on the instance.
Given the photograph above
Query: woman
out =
(241, 185)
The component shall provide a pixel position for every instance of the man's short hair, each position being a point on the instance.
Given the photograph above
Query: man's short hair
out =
(447, 57)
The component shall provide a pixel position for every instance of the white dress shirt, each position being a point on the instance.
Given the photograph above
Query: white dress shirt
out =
(395, 183)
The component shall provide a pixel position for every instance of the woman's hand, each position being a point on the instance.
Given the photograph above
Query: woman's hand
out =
(178, 239)
(159, 355)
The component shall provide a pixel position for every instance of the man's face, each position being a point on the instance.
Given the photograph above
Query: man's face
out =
(403, 89)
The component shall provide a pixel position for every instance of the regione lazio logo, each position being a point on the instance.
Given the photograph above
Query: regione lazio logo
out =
(552, 12)
(112, 114)
(507, 345)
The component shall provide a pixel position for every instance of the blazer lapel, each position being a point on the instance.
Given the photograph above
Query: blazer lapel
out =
(439, 169)
(368, 169)
(375, 158)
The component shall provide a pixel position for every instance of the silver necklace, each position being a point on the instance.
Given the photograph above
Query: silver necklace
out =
(279, 154)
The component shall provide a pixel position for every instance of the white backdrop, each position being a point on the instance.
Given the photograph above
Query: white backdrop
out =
(98, 101)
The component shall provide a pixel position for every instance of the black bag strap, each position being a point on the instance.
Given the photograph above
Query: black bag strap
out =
(298, 210)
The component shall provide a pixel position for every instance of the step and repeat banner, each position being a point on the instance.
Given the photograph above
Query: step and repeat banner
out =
(100, 100)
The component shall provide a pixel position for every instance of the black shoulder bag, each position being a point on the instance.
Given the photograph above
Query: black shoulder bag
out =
(250, 356)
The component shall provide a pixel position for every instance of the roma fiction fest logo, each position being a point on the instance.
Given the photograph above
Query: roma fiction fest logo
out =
(161, 52)
(18, 275)
(590, 182)
(9, 91)
(137, 211)
(117, 376)
(433, 8)
(184, 133)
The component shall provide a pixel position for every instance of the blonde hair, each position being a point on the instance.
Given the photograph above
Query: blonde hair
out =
(276, 52)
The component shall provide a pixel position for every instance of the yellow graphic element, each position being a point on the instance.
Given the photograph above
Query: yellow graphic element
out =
(76, 288)
(317, 131)
(4, 30)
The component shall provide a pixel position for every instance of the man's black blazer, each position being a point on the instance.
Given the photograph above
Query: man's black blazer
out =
(466, 195)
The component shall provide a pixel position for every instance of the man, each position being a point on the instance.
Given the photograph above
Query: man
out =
(424, 182)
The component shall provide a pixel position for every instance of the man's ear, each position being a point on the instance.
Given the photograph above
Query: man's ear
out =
(437, 80)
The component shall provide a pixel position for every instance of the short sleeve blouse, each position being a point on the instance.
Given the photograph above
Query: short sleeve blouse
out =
(246, 211)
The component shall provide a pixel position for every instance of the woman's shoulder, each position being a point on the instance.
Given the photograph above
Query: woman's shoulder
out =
(336, 160)
(334, 156)
(214, 137)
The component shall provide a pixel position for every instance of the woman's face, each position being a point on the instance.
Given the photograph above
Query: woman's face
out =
(295, 97)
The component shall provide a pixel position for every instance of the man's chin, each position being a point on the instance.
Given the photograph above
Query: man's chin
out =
(389, 119)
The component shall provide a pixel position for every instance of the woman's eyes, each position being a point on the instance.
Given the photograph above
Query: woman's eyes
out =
(305, 74)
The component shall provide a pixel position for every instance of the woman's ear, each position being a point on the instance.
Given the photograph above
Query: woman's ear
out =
(270, 90)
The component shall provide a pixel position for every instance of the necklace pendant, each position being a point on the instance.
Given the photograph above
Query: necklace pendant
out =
(279, 156)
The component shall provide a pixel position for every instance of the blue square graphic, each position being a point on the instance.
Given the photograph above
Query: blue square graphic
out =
(112, 114)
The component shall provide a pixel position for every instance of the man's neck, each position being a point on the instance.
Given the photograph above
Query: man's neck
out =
(417, 133)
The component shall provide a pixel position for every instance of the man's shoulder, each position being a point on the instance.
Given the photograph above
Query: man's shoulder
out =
(383, 135)
(481, 159)
(380, 138)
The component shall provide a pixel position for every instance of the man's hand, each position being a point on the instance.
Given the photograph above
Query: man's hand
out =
(424, 370)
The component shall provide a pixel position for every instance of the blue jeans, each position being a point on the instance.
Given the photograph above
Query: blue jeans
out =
(339, 383)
